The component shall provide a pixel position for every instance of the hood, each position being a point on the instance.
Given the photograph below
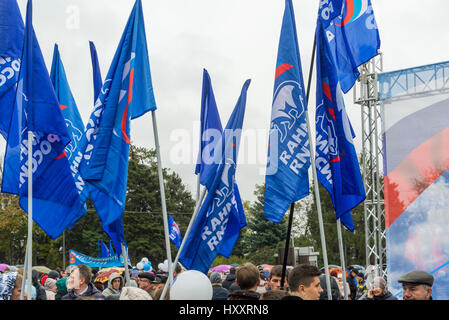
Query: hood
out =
(113, 276)
(61, 285)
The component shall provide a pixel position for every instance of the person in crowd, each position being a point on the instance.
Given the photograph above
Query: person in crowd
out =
(352, 282)
(61, 288)
(274, 282)
(79, 284)
(341, 284)
(230, 279)
(11, 286)
(115, 285)
(40, 290)
(378, 291)
(218, 292)
(247, 278)
(177, 270)
(416, 285)
(50, 288)
(43, 278)
(134, 293)
(160, 279)
(274, 295)
(145, 279)
(304, 283)
(362, 290)
(54, 274)
(335, 290)
(261, 288)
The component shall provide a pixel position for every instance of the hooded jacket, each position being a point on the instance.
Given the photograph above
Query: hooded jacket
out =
(230, 279)
(61, 288)
(109, 290)
(40, 291)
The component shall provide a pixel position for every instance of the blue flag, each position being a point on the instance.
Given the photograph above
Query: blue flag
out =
(74, 124)
(11, 35)
(336, 159)
(287, 178)
(96, 74)
(127, 93)
(175, 233)
(219, 218)
(56, 200)
(208, 158)
(352, 35)
(115, 229)
(210, 134)
(103, 250)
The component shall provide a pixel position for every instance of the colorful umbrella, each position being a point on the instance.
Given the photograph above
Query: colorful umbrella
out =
(221, 268)
(103, 276)
(3, 267)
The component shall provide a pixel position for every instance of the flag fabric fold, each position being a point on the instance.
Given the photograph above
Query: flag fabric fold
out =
(96, 73)
(353, 37)
(11, 35)
(218, 223)
(336, 160)
(286, 179)
(55, 198)
(74, 124)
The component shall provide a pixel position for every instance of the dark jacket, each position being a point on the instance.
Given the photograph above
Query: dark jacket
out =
(352, 287)
(244, 295)
(40, 290)
(219, 293)
(230, 279)
(335, 290)
(92, 291)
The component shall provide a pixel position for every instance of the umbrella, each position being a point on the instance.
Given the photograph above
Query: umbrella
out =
(221, 268)
(3, 267)
(103, 276)
(42, 269)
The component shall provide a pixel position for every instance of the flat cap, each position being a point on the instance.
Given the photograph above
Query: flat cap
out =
(417, 277)
(147, 275)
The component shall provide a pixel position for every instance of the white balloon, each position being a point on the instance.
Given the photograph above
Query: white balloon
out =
(140, 266)
(191, 285)
(144, 260)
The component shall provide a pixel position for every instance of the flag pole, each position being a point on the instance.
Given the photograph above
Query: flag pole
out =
(30, 212)
(125, 263)
(342, 258)
(195, 213)
(161, 186)
(25, 270)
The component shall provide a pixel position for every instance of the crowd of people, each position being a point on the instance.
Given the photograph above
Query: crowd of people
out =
(245, 282)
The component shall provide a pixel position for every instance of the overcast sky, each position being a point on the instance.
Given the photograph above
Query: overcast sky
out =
(234, 40)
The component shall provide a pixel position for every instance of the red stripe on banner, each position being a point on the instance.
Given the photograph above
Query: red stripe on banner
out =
(62, 106)
(327, 90)
(282, 68)
(349, 12)
(125, 113)
(335, 159)
(422, 167)
(62, 155)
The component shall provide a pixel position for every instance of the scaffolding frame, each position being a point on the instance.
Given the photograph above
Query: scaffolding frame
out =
(412, 83)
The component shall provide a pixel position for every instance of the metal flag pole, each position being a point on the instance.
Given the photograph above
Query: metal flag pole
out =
(30, 212)
(164, 206)
(342, 258)
(25, 270)
(125, 263)
(195, 213)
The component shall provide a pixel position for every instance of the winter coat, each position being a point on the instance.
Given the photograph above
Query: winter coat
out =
(109, 290)
(92, 291)
(352, 287)
(49, 285)
(230, 279)
(244, 295)
(40, 291)
(61, 288)
(335, 289)
(219, 293)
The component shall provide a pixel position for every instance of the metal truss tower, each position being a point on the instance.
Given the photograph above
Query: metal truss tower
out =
(366, 94)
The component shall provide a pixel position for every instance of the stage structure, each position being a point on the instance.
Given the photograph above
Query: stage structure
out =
(405, 157)
(366, 94)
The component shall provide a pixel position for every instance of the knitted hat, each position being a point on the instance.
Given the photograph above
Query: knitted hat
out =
(53, 274)
(49, 284)
(215, 277)
(43, 279)
(133, 293)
